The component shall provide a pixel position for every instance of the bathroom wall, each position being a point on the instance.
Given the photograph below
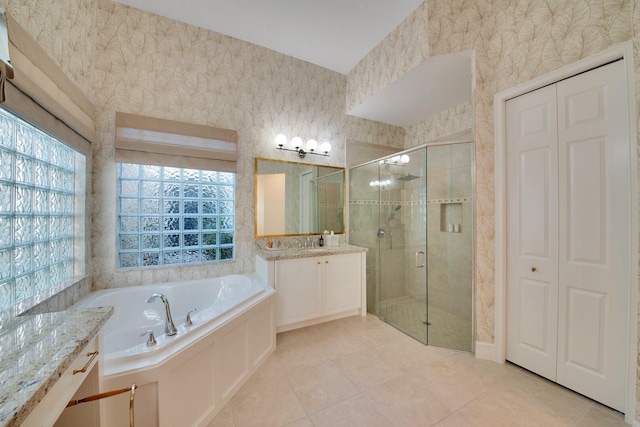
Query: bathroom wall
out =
(513, 42)
(150, 65)
(136, 62)
(455, 123)
(404, 48)
(66, 30)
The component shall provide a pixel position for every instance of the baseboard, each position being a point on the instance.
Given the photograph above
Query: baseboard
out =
(485, 350)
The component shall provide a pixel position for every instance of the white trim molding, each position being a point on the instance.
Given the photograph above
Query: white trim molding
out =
(486, 351)
(623, 51)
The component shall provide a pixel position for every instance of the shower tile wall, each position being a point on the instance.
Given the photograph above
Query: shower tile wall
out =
(449, 253)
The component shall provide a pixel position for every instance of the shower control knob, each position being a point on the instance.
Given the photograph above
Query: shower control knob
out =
(380, 232)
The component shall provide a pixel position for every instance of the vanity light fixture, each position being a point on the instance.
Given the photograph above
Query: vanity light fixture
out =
(296, 142)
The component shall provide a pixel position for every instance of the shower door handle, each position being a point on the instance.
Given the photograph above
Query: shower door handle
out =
(420, 260)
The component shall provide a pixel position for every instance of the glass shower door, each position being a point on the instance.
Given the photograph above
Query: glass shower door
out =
(415, 214)
(402, 243)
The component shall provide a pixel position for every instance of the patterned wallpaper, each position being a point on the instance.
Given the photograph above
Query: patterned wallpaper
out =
(456, 121)
(65, 29)
(150, 65)
(515, 41)
(404, 48)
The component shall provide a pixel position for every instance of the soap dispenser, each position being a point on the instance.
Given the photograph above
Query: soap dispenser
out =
(321, 241)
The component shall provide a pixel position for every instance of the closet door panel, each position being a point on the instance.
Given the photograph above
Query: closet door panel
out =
(532, 287)
(594, 188)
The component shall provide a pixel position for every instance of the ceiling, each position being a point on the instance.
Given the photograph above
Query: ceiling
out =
(334, 34)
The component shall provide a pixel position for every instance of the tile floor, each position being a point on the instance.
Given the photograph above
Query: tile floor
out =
(409, 314)
(359, 371)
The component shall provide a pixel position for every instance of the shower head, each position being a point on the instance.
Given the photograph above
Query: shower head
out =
(407, 177)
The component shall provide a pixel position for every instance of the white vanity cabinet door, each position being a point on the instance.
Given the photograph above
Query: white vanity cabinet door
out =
(299, 291)
(49, 411)
(342, 283)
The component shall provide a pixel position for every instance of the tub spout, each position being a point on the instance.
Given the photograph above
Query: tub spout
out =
(170, 328)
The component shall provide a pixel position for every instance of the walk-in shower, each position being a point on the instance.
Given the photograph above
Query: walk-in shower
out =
(414, 211)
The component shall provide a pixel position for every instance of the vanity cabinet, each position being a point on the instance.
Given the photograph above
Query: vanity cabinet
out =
(315, 289)
(50, 411)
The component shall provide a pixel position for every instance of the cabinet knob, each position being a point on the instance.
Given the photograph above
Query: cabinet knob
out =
(326, 262)
(533, 269)
(319, 263)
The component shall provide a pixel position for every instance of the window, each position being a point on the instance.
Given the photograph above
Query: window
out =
(42, 196)
(169, 215)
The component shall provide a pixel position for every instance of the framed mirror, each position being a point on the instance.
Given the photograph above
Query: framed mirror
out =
(293, 199)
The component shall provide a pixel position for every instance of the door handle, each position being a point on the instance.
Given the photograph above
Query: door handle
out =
(420, 264)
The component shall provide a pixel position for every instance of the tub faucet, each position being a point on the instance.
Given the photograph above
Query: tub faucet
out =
(169, 328)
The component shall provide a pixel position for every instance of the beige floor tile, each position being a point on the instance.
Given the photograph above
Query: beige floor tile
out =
(596, 416)
(547, 397)
(302, 422)
(483, 371)
(340, 344)
(503, 409)
(365, 369)
(224, 418)
(454, 420)
(262, 403)
(453, 385)
(355, 412)
(295, 337)
(405, 355)
(409, 401)
(323, 368)
(321, 386)
(290, 358)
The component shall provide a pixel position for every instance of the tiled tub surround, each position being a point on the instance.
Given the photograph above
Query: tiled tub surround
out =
(35, 353)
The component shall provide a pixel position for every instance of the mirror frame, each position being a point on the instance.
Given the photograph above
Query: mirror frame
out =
(255, 197)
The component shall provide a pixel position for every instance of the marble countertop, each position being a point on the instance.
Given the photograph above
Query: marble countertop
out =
(292, 253)
(37, 351)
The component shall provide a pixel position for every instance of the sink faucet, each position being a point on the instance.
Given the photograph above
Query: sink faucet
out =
(169, 328)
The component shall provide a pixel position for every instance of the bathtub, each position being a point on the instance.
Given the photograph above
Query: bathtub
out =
(183, 379)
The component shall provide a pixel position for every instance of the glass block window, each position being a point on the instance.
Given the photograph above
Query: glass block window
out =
(42, 185)
(169, 216)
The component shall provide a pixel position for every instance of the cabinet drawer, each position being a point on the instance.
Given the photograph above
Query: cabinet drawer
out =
(54, 402)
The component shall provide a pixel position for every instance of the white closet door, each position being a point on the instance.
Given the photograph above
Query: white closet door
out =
(532, 212)
(594, 233)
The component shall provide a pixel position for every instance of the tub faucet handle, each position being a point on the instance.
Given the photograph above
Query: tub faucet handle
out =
(188, 322)
(152, 339)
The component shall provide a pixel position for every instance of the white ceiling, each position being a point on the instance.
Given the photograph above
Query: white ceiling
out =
(335, 34)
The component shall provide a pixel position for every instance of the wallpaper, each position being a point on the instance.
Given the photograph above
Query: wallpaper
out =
(515, 41)
(65, 30)
(404, 48)
(150, 65)
(454, 121)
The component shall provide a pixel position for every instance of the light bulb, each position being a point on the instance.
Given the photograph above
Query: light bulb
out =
(281, 139)
(325, 147)
(404, 159)
(395, 159)
(296, 141)
(312, 144)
